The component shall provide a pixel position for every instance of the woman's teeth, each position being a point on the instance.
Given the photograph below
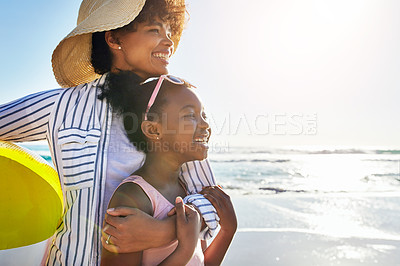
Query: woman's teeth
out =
(161, 55)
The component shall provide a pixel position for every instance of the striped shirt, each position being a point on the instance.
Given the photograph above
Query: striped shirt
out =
(77, 125)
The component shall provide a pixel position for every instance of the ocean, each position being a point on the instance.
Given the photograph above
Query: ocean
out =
(307, 170)
(349, 197)
(255, 171)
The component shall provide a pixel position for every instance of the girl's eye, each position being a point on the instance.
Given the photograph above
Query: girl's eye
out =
(189, 116)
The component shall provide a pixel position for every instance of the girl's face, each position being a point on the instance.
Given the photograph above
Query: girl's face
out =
(145, 51)
(185, 129)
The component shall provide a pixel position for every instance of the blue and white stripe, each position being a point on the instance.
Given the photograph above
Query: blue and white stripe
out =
(208, 212)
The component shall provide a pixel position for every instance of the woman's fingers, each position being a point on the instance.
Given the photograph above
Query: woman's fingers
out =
(110, 230)
(108, 239)
(113, 221)
(109, 235)
(108, 244)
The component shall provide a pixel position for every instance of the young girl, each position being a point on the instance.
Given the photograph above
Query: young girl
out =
(165, 119)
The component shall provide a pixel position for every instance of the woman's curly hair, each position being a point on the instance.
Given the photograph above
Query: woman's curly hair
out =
(172, 12)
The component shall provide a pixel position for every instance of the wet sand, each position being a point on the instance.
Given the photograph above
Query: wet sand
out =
(304, 249)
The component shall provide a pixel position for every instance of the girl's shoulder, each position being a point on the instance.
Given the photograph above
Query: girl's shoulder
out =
(131, 193)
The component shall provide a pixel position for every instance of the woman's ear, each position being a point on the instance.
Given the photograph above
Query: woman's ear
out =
(152, 130)
(112, 40)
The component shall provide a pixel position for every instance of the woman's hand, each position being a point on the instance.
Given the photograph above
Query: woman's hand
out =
(132, 230)
(222, 203)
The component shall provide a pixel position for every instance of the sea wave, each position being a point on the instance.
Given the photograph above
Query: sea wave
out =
(381, 160)
(250, 160)
(281, 190)
(387, 174)
(315, 151)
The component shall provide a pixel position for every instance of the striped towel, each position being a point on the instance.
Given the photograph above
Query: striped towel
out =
(208, 212)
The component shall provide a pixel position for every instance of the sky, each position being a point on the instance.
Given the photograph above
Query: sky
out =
(270, 72)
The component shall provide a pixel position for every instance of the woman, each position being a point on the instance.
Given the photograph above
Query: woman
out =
(85, 137)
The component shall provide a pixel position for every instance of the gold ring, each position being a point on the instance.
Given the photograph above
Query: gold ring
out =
(108, 240)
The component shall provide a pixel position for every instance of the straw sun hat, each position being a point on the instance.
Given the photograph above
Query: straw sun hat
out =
(71, 58)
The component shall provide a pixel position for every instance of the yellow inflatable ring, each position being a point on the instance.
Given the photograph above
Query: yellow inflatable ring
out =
(31, 202)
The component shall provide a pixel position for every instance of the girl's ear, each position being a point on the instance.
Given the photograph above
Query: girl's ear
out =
(152, 130)
(112, 40)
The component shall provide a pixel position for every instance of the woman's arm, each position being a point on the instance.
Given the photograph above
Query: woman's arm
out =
(120, 220)
(26, 119)
(187, 227)
(129, 195)
(215, 253)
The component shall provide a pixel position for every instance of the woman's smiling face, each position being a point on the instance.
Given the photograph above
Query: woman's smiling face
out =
(145, 51)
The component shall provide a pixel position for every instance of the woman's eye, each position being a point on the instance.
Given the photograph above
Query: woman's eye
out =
(155, 30)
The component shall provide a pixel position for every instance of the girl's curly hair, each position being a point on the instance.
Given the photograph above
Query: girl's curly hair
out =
(129, 98)
(172, 12)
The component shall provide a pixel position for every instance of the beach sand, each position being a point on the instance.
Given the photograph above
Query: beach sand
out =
(304, 249)
(266, 238)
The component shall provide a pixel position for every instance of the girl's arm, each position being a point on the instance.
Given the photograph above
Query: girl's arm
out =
(26, 119)
(215, 253)
(187, 227)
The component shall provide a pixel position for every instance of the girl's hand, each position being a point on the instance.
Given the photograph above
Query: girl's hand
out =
(187, 225)
(222, 203)
(187, 231)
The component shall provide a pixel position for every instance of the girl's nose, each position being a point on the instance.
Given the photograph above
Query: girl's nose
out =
(204, 123)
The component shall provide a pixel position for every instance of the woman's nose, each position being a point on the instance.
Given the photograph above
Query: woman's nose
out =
(167, 40)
